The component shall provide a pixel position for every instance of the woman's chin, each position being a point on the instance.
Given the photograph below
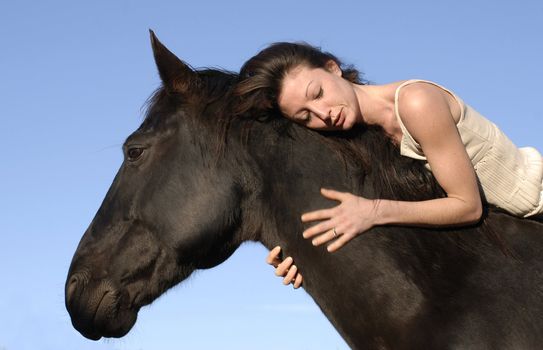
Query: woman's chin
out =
(346, 124)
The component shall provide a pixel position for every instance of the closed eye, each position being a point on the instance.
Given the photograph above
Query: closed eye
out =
(320, 93)
(303, 117)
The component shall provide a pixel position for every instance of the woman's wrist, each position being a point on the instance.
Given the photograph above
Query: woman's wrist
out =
(381, 212)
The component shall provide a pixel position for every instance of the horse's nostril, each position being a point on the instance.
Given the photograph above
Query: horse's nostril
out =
(75, 283)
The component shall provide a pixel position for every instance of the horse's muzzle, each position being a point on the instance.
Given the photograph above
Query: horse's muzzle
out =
(97, 308)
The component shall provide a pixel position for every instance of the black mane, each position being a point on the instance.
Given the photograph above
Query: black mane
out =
(394, 176)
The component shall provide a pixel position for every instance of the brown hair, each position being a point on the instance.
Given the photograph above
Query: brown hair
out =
(261, 76)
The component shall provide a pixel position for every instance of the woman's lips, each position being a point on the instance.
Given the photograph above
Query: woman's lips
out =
(340, 118)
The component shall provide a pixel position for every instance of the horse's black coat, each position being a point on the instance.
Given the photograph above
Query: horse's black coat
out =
(195, 185)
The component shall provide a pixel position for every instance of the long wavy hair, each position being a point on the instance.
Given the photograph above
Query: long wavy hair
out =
(261, 77)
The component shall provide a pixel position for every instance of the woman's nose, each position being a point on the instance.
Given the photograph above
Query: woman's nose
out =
(322, 113)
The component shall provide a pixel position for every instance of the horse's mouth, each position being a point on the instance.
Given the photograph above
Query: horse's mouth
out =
(102, 311)
(114, 329)
(113, 326)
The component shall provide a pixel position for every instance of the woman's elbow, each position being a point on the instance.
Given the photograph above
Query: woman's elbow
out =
(473, 213)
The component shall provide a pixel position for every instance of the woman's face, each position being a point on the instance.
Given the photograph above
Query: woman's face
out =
(319, 98)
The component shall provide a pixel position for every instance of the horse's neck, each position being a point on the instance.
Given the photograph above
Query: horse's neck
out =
(382, 280)
(289, 174)
(363, 276)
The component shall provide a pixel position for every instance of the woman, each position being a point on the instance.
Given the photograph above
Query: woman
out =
(425, 120)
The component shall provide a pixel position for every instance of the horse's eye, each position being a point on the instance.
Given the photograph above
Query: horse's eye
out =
(134, 153)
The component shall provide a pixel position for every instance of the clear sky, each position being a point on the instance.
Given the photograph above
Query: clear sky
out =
(74, 76)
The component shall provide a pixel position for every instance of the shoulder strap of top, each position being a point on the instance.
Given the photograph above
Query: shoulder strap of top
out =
(407, 139)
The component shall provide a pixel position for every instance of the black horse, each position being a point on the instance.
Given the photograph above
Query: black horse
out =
(196, 183)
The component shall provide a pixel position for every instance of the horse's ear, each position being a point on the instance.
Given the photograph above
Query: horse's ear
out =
(177, 76)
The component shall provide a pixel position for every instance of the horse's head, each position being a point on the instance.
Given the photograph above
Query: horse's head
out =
(172, 207)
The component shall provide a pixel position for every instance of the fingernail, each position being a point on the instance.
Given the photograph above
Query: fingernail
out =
(314, 242)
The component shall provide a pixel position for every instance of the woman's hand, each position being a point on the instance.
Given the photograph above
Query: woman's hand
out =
(285, 268)
(342, 223)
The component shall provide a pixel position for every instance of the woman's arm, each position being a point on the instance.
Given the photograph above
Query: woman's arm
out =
(426, 114)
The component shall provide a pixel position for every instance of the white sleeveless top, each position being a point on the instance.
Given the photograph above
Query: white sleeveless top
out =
(511, 178)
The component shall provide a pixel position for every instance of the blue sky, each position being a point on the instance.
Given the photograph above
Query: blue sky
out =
(74, 76)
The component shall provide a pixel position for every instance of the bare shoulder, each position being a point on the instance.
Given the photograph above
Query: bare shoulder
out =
(420, 97)
(425, 110)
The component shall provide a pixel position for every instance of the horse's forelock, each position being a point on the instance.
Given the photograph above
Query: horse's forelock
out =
(213, 85)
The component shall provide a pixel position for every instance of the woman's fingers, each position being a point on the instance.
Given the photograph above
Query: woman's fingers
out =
(291, 274)
(298, 281)
(317, 215)
(273, 256)
(318, 229)
(325, 237)
(283, 267)
(325, 213)
(335, 195)
(339, 242)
